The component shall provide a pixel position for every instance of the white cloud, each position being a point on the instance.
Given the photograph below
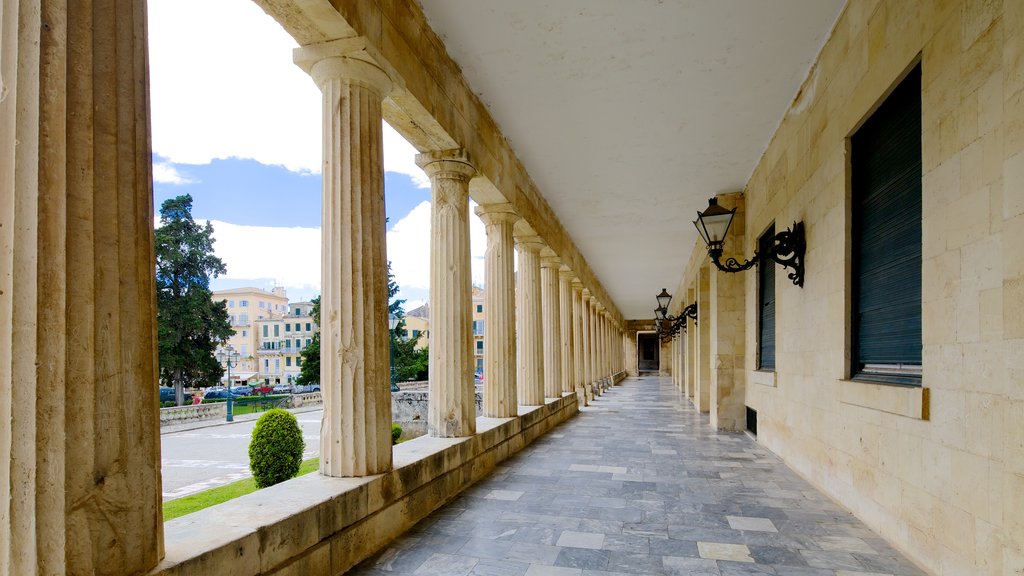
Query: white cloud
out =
(164, 173)
(291, 256)
(409, 248)
(223, 85)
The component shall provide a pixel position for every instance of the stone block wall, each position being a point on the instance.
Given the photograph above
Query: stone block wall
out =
(937, 470)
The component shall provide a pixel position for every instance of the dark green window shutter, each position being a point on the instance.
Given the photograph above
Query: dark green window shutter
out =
(766, 303)
(886, 179)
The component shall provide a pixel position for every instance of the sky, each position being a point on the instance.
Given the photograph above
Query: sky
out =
(237, 126)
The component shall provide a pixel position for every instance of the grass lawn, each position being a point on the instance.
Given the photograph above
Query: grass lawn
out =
(207, 498)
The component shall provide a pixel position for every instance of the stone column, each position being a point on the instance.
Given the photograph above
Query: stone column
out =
(355, 437)
(451, 411)
(500, 303)
(593, 365)
(530, 345)
(727, 316)
(565, 328)
(79, 429)
(602, 373)
(588, 338)
(578, 346)
(702, 389)
(551, 323)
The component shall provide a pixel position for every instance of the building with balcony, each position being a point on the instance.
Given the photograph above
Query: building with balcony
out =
(882, 141)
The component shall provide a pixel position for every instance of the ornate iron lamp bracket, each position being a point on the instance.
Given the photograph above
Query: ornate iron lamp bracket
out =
(672, 325)
(787, 249)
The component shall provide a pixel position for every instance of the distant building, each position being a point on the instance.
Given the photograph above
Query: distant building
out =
(269, 333)
(417, 325)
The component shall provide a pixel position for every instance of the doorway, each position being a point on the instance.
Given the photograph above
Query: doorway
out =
(648, 349)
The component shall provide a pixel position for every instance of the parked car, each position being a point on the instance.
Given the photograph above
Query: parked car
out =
(282, 389)
(243, 390)
(262, 390)
(300, 389)
(167, 395)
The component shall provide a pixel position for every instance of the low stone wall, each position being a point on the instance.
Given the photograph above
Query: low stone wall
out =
(192, 413)
(310, 399)
(319, 525)
(409, 410)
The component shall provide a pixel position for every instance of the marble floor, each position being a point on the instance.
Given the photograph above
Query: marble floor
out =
(639, 483)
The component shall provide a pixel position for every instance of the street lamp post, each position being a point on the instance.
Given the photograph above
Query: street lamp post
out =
(228, 356)
(392, 324)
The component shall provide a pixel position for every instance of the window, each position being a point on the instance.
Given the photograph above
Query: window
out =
(288, 361)
(245, 333)
(263, 304)
(243, 319)
(298, 327)
(886, 194)
(766, 303)
(309, 327)
(308, 341)
(416, 333)
(287, 327)
(231, 303)
(298, 311)
(298, 342)
(479, 345)
(298, 361)
(277, 364)
(265, 330)
(266, 364)
(479, 308)
(277, 330)
(288, 344)
(245, 350)
(243, 303)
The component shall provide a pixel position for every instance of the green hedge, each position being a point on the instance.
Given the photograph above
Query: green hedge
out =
(275, 451)
(396, 433)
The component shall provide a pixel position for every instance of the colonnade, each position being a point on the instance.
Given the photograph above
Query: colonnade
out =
(77, 295)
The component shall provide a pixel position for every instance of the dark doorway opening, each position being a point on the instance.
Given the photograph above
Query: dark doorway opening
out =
(648, 349)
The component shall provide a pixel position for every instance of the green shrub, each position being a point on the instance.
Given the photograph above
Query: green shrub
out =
(275, 451)
(396, 433)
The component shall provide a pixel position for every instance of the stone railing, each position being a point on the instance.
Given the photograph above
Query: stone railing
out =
(193, 413)
(299, 400)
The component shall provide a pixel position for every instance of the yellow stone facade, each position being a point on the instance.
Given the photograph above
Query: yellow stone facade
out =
(937, 470)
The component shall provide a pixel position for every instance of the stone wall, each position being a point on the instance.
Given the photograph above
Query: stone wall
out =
(409, 410)
(937, 470)
(320, 525)
(192, 413)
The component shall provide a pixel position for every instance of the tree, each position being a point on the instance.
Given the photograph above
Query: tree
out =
(409, 363)
(190, 325)
(310, 371)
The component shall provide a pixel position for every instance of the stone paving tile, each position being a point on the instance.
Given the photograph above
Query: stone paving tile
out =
(639, 483)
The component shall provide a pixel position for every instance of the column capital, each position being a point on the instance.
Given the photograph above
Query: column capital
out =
(548, 258)
(565, 273)
(529, 242)
(497, 213)
(577, 285)
(344, 58)
(452, 164)
(586, 295)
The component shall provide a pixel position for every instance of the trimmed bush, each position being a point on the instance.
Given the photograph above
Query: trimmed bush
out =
(396, 433)
(275, 451)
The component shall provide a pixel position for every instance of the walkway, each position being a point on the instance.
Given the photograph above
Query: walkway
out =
(639, 483)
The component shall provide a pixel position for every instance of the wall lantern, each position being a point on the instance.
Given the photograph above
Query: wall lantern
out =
(669, 326)
(787, 247)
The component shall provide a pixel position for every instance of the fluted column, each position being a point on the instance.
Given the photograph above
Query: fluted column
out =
(451, 411)
(79, 430)
(565, 328)
(599, 374)
(578, 345)
(355, 437)
(551, 323)
(588, 342)
(530, 345)
(500, 304)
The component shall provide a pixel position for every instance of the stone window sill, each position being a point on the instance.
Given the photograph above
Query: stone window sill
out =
(909, 401)
(769, 378)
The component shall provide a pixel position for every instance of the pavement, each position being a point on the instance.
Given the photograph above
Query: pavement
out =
(639, 483)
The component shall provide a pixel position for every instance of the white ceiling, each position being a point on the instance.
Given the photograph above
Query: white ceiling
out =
(629, 114)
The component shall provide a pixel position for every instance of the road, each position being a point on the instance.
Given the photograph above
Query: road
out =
(195, 460)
